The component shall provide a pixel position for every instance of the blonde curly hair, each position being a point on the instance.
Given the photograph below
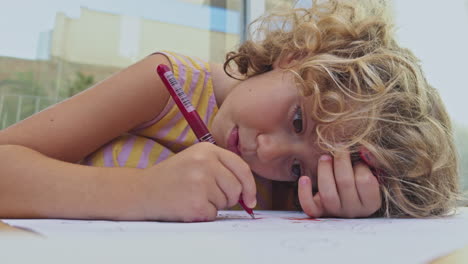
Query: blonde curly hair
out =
(364, 91)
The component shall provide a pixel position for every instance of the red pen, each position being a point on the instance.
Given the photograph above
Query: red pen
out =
(189, 112)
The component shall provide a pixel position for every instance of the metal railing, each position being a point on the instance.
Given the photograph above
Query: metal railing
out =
(16, 107)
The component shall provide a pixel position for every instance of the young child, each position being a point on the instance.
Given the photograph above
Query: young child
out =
(319, 88)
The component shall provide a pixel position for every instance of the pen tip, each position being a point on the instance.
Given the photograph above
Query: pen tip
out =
(252, 215)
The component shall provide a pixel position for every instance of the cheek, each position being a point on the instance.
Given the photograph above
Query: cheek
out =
(268, 172)
(262, 110)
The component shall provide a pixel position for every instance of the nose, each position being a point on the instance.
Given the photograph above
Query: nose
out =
(271, 147)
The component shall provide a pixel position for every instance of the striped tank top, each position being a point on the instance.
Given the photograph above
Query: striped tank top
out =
(169, 133)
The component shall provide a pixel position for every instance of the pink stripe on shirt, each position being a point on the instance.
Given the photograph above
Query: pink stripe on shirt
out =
(126, 150)
(192, 87)
(164, 155)
(108, 154)
(144, 158)
(210, 109)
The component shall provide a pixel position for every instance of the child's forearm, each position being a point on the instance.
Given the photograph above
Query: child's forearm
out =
(33, 185)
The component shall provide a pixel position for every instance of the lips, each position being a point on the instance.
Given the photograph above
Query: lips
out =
(233, 141)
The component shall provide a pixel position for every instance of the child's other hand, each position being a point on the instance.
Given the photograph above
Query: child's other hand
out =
(344, 190)
(197, 182)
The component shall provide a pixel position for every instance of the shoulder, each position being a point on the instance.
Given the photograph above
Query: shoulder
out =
(222, 83)
(184, 62)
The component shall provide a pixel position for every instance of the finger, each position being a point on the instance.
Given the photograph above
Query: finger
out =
(230, 186)
(368, 189)
(207, 213)
(318, 202)
(241, 170)
(367, 156)
(327, 186)
(216, 195)
(345, 183)
(199, 209)
(306, 199)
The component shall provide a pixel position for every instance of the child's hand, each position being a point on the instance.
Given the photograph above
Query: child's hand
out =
(197, 182)
(344, 190)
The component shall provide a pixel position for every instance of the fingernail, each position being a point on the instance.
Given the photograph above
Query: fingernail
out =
(325, 157)
(253, 204)
(303, 181)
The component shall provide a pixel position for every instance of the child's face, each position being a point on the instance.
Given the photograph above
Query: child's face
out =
(263, 120)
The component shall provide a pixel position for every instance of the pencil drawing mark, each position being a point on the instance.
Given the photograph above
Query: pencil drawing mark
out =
(240, 226)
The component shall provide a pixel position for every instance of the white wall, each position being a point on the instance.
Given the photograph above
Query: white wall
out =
(437, 32)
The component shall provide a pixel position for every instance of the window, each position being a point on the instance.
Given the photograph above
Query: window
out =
(55, 49)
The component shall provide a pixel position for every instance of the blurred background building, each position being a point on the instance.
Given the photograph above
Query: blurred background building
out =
(84, 47)
(108, 39)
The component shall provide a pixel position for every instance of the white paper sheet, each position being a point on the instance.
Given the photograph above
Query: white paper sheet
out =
(276, 237)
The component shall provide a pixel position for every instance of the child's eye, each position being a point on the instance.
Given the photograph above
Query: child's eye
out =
(296, 169)
(297, 119)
